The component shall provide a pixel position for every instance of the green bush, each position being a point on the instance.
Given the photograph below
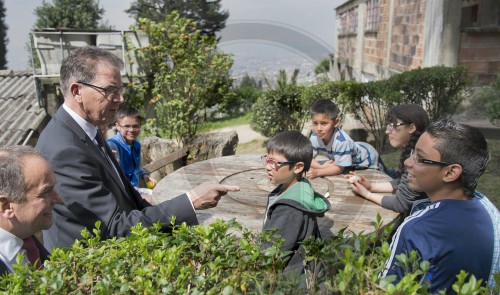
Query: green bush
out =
(279, 110)
(287, 107)
(242, 97)
(326, 90)
(437, 89)
(221, 258)
(490, 100)
(369, 103)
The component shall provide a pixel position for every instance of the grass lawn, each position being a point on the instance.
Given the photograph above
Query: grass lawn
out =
(225, 122)
(489, 183)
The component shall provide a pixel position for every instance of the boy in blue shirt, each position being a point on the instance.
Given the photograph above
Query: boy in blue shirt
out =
(459, 230)
(330, 141)
(293, 206)
(127, 147)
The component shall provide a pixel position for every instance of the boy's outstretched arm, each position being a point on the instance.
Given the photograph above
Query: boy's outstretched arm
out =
(327, 169)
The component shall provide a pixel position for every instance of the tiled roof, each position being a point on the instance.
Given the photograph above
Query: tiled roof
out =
(19, 109)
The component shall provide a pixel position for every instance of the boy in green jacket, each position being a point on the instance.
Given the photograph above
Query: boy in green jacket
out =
(293, 206)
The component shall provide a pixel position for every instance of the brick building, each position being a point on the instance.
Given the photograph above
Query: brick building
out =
(377, 38)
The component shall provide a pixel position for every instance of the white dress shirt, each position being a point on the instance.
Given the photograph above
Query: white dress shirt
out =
(10, 246)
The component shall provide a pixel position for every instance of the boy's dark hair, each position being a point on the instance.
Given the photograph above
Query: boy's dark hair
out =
(464, 145)
(127, 111)
(325, 106)
(294, 146)
(412, 114)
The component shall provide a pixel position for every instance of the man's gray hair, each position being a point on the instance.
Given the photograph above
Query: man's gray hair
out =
(81, 65)
(12, 182)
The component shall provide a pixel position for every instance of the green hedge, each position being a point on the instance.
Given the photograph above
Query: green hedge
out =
(489, 98)
(221, 258)
(438, 89)
(279, 110)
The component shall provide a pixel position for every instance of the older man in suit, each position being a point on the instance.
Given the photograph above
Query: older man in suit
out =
(27, 197)
(89, 179)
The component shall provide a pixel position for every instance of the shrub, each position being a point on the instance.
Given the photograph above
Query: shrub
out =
(279, 110)
(326, 90)
(490, 99)
(369, 102)
(242, 97)
(437, 89)
(221, 258)
(190, 260)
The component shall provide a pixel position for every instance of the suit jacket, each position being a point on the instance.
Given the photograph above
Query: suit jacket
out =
(92, 191)
(44, 255)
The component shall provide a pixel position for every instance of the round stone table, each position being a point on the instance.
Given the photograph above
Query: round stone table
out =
(248, 205)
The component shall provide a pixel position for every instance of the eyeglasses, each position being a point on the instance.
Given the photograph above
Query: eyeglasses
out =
(111, 91)
(275, 165)
(130, 127)
(393, 126)
(417, 159)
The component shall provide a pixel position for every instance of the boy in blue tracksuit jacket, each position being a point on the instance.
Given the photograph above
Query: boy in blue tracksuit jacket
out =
(458, 230)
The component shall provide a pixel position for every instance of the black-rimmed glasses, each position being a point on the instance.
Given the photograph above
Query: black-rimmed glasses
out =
(275, 165)
(418, 159)
(393, 126)
(110, 91)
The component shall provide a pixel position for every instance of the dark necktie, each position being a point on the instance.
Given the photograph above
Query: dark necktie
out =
(32, 252)
(100, 141)
(102, 146)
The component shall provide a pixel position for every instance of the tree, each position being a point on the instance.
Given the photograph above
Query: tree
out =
(184, 75)
(75, 14)
(282, 79)
(242, 97)
(323, 67)
(206, 13)
(322, 70)
(279, 110)
(3, 37)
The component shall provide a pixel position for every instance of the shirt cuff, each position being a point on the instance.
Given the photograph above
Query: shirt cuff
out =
(190, 201)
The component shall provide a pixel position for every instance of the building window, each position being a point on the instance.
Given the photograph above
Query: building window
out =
(348, 21)
(473, 13)
(353, 20)
(373, 15)
(343, 23)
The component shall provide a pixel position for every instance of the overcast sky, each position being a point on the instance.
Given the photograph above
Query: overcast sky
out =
(314, 18)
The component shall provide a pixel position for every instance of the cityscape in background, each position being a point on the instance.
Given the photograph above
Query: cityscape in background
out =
(259, 60)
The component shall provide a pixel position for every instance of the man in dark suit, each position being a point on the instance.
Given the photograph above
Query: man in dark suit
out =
(27, 197)
(89, 179)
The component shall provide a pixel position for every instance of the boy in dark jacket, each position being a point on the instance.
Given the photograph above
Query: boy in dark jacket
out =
(293, 205)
